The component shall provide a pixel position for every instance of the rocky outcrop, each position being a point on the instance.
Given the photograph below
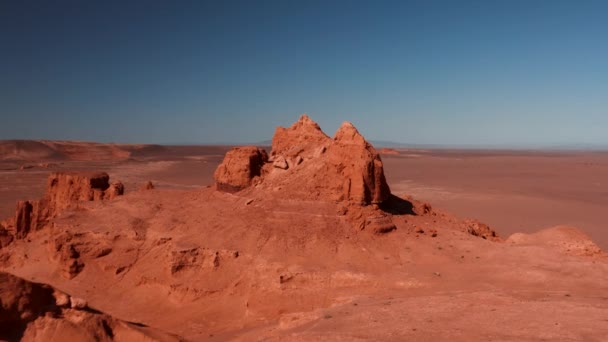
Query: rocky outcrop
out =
(307, 164)
(63, 190)
(37, 312)
(476, 228)
(345, 168)
(239, 168)
(29, 216)
(304, 138)
(5, 236)
(114, 190)
(23, 219)
(359, 162)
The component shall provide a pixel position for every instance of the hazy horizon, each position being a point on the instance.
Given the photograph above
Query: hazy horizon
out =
(512, 74)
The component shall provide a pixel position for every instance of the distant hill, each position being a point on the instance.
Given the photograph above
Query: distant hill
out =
(54, 151)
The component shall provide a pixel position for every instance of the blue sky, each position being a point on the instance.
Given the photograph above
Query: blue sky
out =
(483, 73)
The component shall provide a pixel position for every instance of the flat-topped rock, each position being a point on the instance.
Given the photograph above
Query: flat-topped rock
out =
(63, 189)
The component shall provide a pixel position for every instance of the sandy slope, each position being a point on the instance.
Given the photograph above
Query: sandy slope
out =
(314, 277)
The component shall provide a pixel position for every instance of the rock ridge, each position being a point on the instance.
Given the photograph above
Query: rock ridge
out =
(63, 190)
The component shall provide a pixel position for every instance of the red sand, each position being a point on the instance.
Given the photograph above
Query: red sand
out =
(511, 191)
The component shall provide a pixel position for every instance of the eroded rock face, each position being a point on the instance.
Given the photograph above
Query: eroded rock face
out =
(345, 168)
(302, 139)
(476, 228)
(239, 168)
(63, 190)
(114, 190)
(29, 216)
(23, 219)
(307, 164)
(66, 254)
(359, 162)
(20, 303)
(37, 312)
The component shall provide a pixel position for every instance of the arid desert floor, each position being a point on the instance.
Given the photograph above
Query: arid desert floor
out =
(512, 191)
(313, 238)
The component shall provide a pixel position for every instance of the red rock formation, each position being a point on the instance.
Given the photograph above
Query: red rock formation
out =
(64, 251)
(476, 228)
(37, 312)
(29, 216)
(239, 168)
(23, 219)
(307, 164)
(345, 168)
(64, 188)
(115, 190)
(303, 138)
(5, 237)
(361, 164)
(62, 191)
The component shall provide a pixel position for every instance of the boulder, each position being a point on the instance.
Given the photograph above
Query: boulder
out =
(280, 163)
(114, 190)
(61, 299)
(29, 216)
(20, 303)
(239, 168)
(476, 228)
(78, 303)
(64, 252)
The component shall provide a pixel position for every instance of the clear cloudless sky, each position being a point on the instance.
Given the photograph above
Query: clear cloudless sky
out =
(485, 73)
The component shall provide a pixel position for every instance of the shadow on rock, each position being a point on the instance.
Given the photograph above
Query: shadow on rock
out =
(398, 206)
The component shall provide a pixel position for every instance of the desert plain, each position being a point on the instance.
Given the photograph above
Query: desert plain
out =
(317, 237)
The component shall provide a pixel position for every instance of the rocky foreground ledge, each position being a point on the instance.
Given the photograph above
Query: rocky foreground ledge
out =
(308, 165)
(38, 312)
